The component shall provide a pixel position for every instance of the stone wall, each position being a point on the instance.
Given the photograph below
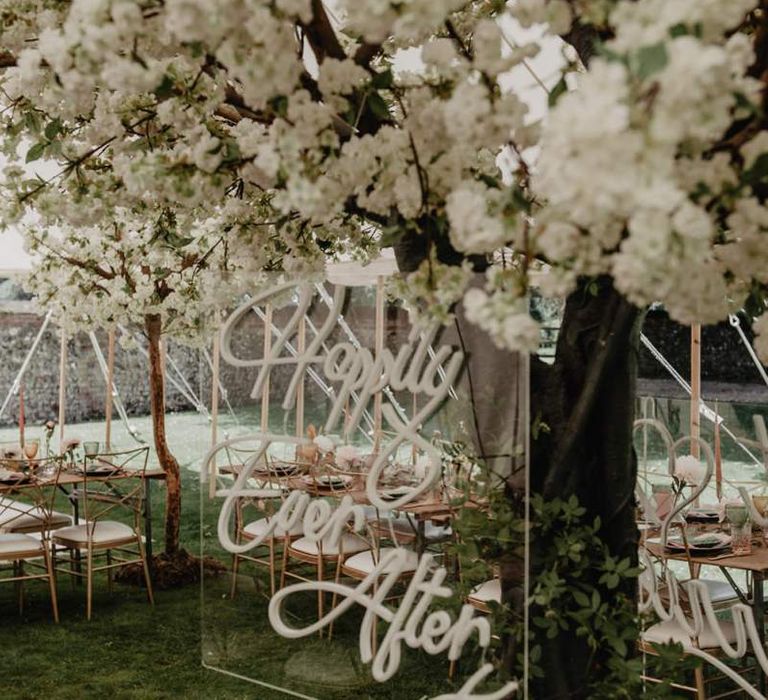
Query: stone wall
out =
(723, 355)
(85, 385)
(724, 359)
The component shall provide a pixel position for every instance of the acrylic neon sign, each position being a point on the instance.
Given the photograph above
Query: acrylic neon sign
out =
(355, 369)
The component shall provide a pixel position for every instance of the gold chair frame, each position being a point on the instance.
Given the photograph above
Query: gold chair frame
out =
(101, 497)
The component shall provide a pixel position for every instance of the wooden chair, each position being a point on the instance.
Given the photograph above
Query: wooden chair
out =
(20, 550)
(360, 565)
(672, 631)
(26, 515)
(321, 556)
(272, 475)
(99, 536)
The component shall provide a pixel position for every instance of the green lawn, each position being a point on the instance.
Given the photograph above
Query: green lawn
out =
(131, 650)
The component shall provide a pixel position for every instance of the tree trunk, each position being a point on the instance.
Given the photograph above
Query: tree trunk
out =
(586, 399)
(168, 463)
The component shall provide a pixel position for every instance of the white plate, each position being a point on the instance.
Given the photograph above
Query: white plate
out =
(704, 512)
(338, 480)
(100, 468)
(392, 494)
(10, 477)
(714, 542)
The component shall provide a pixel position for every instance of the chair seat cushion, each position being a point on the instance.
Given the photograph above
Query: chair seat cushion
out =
(16, 516)
(258, 527)
(671, 631)
(18, 546)
(100, 533)
(364, 561)
(719, 591)
(436, 533)
(401, 525)
(350, 544)
(487, 592)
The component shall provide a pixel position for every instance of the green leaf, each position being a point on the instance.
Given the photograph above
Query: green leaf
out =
(52, 129)
(197, 48)
(165, 89)
(378, 106)
(279, 105)
(32, 121)
(36, 151)
(678, 30)
(581, 598)
(231, 151)
(391, 235)
(758, 171)
(560, 88)
(383, 80)
(651, 59)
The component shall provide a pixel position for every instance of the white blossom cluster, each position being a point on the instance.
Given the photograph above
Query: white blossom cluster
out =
(635, 168)
(501, 311)
(94, 278)
(293, 131)
(432, 291)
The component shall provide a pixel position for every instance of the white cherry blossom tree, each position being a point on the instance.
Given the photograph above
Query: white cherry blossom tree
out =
(145, 273)
(292, 123)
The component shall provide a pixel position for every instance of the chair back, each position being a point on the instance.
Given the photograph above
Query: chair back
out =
(112, 483)
(29, 504)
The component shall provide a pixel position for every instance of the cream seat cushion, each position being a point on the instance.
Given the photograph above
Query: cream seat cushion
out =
(488, 592)
(258, 527)
(364, 561)
(101, 533)
(402, 525)
(671, 631)
(18, 546)
(16, 516)
(719, 591)
(351, 544)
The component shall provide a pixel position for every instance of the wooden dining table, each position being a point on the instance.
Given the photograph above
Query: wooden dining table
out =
(429, 507)
(68, 481)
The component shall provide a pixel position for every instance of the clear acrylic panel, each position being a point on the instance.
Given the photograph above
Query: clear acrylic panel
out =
(379, 463)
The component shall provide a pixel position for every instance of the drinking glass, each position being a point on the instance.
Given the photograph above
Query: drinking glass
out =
(741, 529)
(91, 449)
(30, 448)
(761, 506)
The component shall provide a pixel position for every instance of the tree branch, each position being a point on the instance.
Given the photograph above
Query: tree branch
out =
(7, 59)
(321, 36)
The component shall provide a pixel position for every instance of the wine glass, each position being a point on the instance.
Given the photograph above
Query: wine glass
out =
(31, 448)
(91, 449)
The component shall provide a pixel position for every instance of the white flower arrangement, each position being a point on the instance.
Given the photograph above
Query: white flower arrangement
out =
(689, 470)
(324, 444)
(347, 456)
(313, 153)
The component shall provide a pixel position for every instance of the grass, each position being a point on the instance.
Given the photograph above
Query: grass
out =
(131, 651)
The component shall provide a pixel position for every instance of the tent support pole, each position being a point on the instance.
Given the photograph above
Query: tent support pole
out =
(267, 350)
(214, 409)
(24, 365)
(695, 388)
(110, 388)
(62, 383)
